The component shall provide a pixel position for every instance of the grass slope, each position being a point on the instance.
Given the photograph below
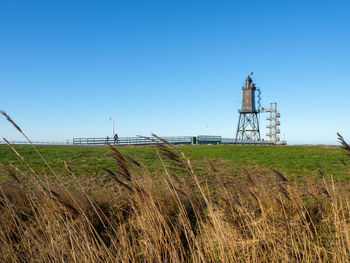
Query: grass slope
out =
(129, 215)
(296, 161)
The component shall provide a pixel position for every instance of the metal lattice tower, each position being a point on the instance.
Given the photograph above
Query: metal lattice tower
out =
(248, 123)
(272, 127)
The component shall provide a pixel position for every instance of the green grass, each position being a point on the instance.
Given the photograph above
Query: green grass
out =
(296, 161)
(293, 160)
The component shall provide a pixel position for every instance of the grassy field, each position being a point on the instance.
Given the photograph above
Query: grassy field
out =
(295, 161)
(221, 204)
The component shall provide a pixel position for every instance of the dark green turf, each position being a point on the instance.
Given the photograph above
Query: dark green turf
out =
(297, 161)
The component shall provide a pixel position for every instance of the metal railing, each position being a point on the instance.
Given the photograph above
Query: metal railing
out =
(233, 141)
(173, 140)
(132, 140)
(36, 143)
(176, 140)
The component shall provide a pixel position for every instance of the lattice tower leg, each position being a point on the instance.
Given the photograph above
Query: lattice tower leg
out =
(248, 128)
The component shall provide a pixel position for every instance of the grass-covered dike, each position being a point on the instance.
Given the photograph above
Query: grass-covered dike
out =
(296, 161)
(174, 204)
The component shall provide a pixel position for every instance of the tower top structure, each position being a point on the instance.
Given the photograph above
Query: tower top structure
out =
(249, 82)
(248, 100)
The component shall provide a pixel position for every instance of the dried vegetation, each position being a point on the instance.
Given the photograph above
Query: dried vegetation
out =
(177, 217)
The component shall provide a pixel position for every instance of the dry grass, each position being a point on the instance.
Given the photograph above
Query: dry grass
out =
(138, 218)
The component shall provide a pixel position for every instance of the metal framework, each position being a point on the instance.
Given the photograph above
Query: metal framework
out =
(248, 127)
(274, 122)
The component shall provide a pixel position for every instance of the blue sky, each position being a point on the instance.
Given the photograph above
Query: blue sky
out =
(172, 67)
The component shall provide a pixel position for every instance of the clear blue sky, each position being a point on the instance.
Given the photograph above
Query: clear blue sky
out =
(172, 67)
